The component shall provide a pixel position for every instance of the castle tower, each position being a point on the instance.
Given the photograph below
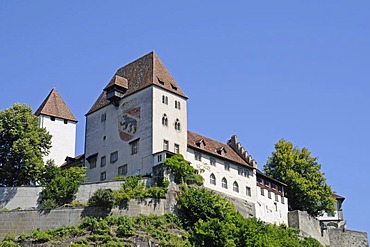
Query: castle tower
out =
(57, 118)
(139, 116)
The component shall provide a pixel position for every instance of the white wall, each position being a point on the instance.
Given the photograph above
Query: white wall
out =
(63, 138)
(103, 138)
(169, 133)
(270, 210)
(219, 171)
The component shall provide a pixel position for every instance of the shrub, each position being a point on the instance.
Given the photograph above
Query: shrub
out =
(102, 198)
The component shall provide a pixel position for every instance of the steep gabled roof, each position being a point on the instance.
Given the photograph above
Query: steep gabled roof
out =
(212, 147)
(141, 73)
(55, 106)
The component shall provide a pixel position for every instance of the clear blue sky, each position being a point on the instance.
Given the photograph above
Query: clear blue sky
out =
(263, 70)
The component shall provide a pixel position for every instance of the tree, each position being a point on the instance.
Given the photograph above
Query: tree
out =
(307, 189)
(62, 185)
(182, 170)
(22, 146)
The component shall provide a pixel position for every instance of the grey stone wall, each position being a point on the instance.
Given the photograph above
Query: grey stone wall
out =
(26, 221)
(20, 197)
(308, 226)
(340, 238)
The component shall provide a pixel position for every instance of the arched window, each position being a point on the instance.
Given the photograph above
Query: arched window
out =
(212, 179)
(224, 183)
(165, 120)
(236, 187)
(177, 125)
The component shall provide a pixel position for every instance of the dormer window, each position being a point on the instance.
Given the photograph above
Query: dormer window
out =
(221, 151)
(116, 89)
(160, 82)
(173, 87)
(201, 143)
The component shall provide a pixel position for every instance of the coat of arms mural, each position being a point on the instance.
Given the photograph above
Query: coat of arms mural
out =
(128, 123)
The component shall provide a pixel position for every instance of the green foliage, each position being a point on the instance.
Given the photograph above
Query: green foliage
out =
(62, 187)
(102, 198)
(134, 188)
(22, 146)
(307, 189)
(9, 243)
(182, 170)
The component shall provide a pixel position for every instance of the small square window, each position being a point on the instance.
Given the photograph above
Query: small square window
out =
(246, 173)
(240, 171)
(103, 176)
(212, 161)
(165, 145)
(164, 99)
(103, 161)
(269, 194)
(198, 156)
(134, 147)
(122, 170)
(65, 121)
(52, 118)
(248, 191)
(262, 191)
(159, 158)
(276, 197)
(177, 104)
(227, 166)
(114, 157)
(176, 148)
(282, 200)
(92, 161)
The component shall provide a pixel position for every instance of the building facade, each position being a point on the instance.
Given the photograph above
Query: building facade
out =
(141, 117)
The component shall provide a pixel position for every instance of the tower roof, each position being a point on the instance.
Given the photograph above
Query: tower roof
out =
(141, 73)
(55, 106)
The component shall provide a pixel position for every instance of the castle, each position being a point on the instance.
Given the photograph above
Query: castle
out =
(140, 119)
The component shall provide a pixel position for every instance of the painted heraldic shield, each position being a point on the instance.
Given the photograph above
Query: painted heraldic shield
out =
(128, 123)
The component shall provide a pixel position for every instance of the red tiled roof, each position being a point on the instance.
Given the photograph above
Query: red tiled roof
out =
(55, 106)
(211, 147)
(141, 73)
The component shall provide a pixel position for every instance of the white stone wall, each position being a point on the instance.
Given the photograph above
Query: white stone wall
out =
(169, 133)
(219, 171)
(103, 138)
(269, 209)
(63, 138)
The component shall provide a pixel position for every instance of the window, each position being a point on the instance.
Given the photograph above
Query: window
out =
(269, 194)
(177, 104)
(224, 183)
(159, 158)
(212, 161)
(134, 147)
(246, 173)
(164, 99)
(65, 121)
(103, 176)
(165, 145)
(92, 160)
(276, 207)
(176, 148)
(103, 161)
(236, 187)
(227, 166)
(240, 171)
(103, 117)
(164, 120)
(282, 200)
(122, 170)
(276, 197)
(52, 118)
(262, 191)
(198, 156)
(212, 179)
(177, 125)
(248, 191)
(114, 157)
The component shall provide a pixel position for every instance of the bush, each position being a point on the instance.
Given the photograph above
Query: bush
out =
(49, 204)
(102, 198)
